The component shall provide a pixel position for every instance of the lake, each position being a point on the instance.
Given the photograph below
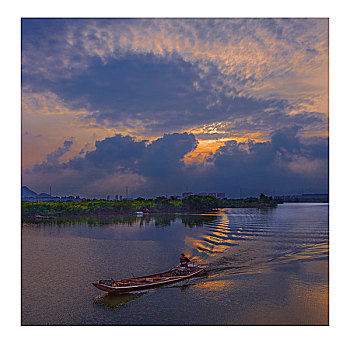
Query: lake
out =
(266, 267)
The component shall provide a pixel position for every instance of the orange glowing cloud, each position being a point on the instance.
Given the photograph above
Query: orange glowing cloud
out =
(212, 137)
(47, 122)
(247, 53)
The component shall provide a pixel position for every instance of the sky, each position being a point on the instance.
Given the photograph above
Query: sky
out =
(166, 106)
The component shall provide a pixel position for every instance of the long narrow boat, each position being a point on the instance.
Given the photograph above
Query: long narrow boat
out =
(151, 281)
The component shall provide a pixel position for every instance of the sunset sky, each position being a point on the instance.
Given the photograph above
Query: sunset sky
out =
(165, 106)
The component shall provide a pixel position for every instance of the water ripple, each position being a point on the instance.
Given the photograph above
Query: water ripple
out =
(268, 234)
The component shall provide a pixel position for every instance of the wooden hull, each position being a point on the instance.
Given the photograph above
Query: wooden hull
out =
(148, 282)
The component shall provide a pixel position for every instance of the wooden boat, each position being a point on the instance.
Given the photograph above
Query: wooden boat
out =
(151, 281)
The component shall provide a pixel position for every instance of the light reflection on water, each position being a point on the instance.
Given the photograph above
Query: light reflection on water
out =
(276, 257)
(116, 300)
(275, 232)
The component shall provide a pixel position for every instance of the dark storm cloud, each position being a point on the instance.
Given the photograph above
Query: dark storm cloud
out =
(163, 157)
(254, 166)
(113, 155)
(141, 86)
(117, 155)
(316, 148)
(157, 91)
(52, 159)
(285, 141)
(272, 165)
(121, 151)
(165, 92)
(284, 145)
(136, 85)
(171, 83)
(149, 77)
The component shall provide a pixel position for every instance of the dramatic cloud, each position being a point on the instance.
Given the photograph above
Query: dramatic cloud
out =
(164, 157)
(117, 151)
(190, 70)
(273, 165)
(158, 168)
(161, 105)
(52, 159)
(247, 52)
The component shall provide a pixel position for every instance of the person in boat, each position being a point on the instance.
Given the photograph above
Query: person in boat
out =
(184, 260)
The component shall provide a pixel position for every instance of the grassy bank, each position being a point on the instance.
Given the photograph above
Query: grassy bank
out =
(191, 204)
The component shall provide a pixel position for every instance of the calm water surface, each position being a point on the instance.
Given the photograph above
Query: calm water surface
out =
(266, 267)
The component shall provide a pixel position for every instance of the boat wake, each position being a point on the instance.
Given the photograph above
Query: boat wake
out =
(246, 241)
(242, 239)
(243, 262)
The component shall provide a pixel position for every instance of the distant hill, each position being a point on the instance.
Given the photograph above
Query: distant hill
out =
(26, 192)
(43, 195)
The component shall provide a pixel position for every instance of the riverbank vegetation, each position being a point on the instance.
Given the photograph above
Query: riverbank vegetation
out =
(191, 204)
(158, 219)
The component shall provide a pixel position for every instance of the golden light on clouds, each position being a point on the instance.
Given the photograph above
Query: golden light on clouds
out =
(204, 149)
(47, 122)
(213, 136)
(253, 58)
(193, 84)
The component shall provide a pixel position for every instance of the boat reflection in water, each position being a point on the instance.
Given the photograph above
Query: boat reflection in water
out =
(114, 301)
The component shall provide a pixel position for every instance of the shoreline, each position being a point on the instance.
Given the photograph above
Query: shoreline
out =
(161, 205)
(110, 214)
(119, 215)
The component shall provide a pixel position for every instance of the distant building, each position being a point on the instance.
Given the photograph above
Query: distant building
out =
(186, 194)
(121, 197)
(213, 194)
(315, 195)
(108, 197)
(67, 199)
(307, 197)
(221, 195)
(288, 197)
(202, 194)
(116, 197)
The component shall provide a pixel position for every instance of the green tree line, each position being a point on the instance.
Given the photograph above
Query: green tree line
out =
(192, 203)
